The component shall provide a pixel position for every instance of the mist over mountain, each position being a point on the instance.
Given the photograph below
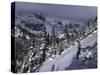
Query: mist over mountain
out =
(70, 12)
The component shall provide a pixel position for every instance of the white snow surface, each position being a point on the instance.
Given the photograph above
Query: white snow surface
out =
(65, 59)
(90, 40)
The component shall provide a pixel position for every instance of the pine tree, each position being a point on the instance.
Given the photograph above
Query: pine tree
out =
(59, 22)
(45, 46)
(79, 49)
(72, 38)
(48, 39)
(75, 34)
(53, 67)
(95, 19)
(60, 48)
(82, 32)
(44, 54)
(53, 36)
(38, 15)
(66, 34)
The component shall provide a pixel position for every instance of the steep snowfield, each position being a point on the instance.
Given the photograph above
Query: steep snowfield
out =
(90, 40)
(65, 59)
(60, 61)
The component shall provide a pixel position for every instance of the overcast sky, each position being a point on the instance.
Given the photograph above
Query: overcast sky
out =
(71, 12)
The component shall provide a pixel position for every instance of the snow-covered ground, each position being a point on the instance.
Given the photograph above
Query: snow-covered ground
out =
(65, 60)
(90, 40)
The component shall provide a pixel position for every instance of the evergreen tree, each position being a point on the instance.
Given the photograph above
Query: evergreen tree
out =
(66, 34)
(59, 22)
(72, 38)
(75, 34)
(53, 67)
(95, 19)
(79, 49)
(53, 36)
(60, 48)
(82, 32)
(45, 45)
(44, 54)
(48, 39)
(38, 15)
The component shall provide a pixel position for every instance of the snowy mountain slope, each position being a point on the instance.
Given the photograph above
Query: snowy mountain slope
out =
(50, 41)
(60, 61)
(90, 40)
(68, 56)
